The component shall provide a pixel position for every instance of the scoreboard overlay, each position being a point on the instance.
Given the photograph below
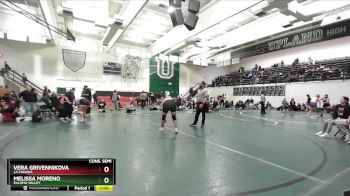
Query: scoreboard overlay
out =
(90, 174)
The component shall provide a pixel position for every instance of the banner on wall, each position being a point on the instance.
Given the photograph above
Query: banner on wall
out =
(164, 74)
(74, 60)
(318, 34)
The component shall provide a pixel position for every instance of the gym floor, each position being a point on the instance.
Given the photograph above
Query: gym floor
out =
(236, 153)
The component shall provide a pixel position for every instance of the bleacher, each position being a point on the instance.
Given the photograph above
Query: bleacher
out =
(328, 69)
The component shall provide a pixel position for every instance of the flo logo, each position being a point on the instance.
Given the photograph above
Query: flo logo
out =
(165, 68)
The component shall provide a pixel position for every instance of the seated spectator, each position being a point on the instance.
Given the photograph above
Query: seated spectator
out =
(341, 111)
(240, 105)
(303, 107)
(57, 106)
(298, 107)
(292, 105)
(7, 109)
(326, 102)
(268, 105)
(102, 106)
(295, 62)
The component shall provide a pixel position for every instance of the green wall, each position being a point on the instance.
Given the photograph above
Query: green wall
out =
(159, 84)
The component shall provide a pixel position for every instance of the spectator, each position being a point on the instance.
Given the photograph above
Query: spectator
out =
(326, 101)
(68, 100)
(24, 79)
(95, 97)
(46, 91)
(284, 104)
(29, 98)
(102, 106)
(7, 68)
(240, 105)
(143, 99)
(7, 109)
(115, 100)
(303, 107)
(292, 105)
(56, 105)
(308, 100)
(311, 62)
(262, 102)
(341, 111)
(298, 107)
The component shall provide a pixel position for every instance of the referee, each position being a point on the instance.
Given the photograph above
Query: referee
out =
(168, 105)
(201, 104)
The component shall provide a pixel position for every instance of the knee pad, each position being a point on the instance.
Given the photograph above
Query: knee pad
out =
(174, 117)
(163, 117)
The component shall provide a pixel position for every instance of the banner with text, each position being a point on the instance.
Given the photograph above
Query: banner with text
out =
(318, 34)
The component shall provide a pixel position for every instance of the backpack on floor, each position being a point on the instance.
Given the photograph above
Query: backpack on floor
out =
(36, 117)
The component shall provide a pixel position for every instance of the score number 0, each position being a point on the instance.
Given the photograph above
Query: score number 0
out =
(106, 170)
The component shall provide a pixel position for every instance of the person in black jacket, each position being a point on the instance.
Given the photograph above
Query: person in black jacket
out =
(29, 98)
(87, 95)
(341, 111)
(56, 104)
(68, 100)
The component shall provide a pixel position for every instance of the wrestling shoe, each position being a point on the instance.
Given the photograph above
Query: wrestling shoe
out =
(161, 129)
(325, 135)
(319, 133)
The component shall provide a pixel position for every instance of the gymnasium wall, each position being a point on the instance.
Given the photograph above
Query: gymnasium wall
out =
(192, 74)
(44, 66)
(323, 50)
(298, 91)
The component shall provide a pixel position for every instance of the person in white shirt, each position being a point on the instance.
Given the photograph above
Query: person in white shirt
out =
(201, 104)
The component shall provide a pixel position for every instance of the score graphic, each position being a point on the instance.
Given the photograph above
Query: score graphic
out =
(96, 174)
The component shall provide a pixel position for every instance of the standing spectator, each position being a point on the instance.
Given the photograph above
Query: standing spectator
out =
(24, 79)
(95, 97)
(308, 100)
(311, 62)
(7, 68)
(68, 101)
(115, 100)
(29, 98)
(46, 91)
(132, 100)
(143, 99)
(262, 102)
